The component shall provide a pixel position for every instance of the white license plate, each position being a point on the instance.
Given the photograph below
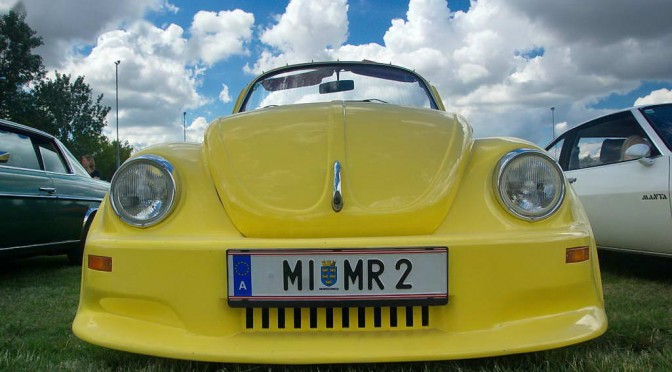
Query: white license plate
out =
(320, 277)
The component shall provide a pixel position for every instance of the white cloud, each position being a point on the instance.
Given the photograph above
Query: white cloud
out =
(161, 67)
(561, 128)
(224, 94)
(657, 96)
(170, 7)
(306, 31)
(426, 20)
(217, 36)
(155, 84)
(503, 64)
(196, 130)
(66, 25)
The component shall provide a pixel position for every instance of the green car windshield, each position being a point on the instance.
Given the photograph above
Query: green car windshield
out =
(339, 82)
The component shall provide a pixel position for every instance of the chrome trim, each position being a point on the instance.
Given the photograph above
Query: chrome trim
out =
(80, 198)
(50, 196)
(337, 196)
(499, 172)
(26, 128)
(27, 196)
(63, 149)
(87, 215)
(634, 251)
(159, 162)
(39, 245)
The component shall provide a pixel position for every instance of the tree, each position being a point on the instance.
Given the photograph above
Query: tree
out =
(61, 106)
(106, 157)
(18, 65)
(68, 111)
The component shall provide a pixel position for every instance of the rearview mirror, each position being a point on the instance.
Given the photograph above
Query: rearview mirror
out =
(337, 86)
(640, 152)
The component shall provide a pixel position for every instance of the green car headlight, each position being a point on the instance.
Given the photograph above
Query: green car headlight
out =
(529, 184)
(143, 190)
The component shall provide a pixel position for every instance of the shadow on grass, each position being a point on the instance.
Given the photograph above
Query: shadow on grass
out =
(636, 265)
(38, 263)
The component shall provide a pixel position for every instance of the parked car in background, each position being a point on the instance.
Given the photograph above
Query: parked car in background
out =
(340, 215)
(47, 199)
(619, 165)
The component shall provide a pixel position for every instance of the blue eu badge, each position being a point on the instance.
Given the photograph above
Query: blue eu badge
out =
(242, 275)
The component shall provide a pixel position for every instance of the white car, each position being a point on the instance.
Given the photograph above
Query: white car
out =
(619, 165)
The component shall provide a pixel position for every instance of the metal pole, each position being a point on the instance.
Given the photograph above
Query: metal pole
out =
(184, 125)
(553, 122)
(116, 86)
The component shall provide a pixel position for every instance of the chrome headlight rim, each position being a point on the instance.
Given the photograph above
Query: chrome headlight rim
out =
(504, 201)
(166, 169)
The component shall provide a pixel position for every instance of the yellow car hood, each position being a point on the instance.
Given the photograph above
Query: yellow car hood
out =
(400, 168)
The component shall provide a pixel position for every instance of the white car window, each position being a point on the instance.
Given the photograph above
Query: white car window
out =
(17, 150)
(53, 162)
(604, 141)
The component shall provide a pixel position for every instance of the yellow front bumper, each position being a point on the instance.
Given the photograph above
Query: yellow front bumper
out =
(508, 293)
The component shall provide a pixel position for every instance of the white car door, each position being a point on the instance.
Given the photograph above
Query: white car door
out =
(627, 199)
(628, 204)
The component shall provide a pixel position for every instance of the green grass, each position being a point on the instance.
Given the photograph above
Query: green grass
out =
(38, 300)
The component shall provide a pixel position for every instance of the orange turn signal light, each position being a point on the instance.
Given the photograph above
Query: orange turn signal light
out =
(100, 263)
(577, 254)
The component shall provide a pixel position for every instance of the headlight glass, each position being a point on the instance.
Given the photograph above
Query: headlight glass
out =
(143, 190)
(529, 184)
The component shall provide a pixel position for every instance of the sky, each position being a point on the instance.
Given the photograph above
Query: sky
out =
(502, 64)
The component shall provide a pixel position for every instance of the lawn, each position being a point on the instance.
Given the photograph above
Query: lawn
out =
(38, 300)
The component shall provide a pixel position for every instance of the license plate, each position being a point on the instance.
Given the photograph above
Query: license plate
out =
(338, 277)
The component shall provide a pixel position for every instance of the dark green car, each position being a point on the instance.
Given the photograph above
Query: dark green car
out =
(47, 199)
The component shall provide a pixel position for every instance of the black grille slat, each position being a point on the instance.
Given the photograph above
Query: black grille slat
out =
(345, 317)
(297, 318)
(351, 318)
(249, 318)
(377, 317)
(409, 316)
(264, 318)
(361, 317)
(330, 318)
(281, 318)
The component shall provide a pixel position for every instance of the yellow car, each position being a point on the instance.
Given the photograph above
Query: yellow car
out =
(340, 215)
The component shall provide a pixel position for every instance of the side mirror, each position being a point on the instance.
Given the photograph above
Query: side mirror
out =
(4, 156)
(640, 152)
(337, 86)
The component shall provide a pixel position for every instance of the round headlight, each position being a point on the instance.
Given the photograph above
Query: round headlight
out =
(143, 190)
(529, 184)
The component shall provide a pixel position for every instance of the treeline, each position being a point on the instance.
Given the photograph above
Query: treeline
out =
(62, 106)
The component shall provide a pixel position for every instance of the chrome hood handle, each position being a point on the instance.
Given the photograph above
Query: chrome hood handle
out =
(337, 197)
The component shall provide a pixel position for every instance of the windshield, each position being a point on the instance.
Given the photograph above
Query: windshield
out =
(339, 82)
(660, 117)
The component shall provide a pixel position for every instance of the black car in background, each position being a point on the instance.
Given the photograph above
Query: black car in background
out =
(47, 199)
